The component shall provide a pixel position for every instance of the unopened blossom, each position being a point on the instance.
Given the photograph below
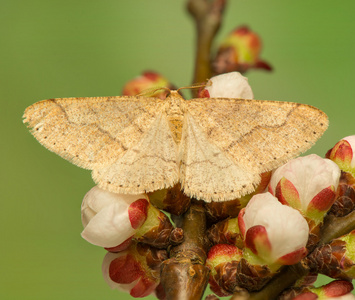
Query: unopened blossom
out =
(336, 259)
(273, 233)
(157, 230)
(308, 184)
(230, 271)
(135, 270)
(111, 219)
(343, 154)
(222, 260)
(226, 232)
(228, 85)
(239, 52)
(335, 290)
(149, 81)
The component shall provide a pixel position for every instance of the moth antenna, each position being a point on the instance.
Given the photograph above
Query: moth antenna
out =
(152, 91)
(194, 86)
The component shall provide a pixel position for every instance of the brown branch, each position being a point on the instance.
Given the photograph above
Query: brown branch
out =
(335, 227)
(283, 280)
(184, 275)
(208, 17)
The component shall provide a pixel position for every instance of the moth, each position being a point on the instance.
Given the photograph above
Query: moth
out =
(214, 147)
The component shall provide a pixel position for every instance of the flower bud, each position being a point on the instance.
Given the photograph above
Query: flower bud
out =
(336, 259)
(135, 270)
(231, 273)
(343, 154)
(239, 52)
(156, 230)
(111, 219)
(223, 260)
(335, 290)
(274, 234)
(307, 184)
(229, 85)
(226, 232)
(148, 81)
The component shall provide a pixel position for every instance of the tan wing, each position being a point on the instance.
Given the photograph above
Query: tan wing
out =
(149, 165)
(258, 135)
(208, 173)
(92, 132)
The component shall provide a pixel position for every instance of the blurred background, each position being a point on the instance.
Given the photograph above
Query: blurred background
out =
(91, 48)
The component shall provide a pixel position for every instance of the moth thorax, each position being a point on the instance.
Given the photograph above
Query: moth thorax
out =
(175, 123)
(175, 114)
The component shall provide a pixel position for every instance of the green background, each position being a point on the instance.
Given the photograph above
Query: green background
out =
(52, 48)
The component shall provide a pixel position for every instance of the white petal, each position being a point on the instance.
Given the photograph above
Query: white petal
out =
(109, 227)
(230, 85)
(97, 198)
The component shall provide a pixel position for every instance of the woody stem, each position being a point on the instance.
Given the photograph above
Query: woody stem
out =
(184, 275)
(208, 17)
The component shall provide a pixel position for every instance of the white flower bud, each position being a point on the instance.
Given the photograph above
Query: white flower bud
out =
(309, 175)
(107, 219)
(229, 85)
(286, 229)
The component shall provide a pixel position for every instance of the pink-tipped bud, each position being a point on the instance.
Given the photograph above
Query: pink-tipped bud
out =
(336, 259)
(148, 81)
(132, 270)
(229, 85)
(239, 52)
(343, 154)
(223, 260)
(273, 233)
(226, 232)
(111, 219)
(335, 290)
(307, 184)
(157, 230)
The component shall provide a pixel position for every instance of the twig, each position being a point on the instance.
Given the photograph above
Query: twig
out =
(184, 275)
(208, 18)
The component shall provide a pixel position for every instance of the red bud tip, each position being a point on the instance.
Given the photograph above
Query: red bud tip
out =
(125, 269)
(222, 249)
(137, 212)
(256, 236)
(338, 288)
